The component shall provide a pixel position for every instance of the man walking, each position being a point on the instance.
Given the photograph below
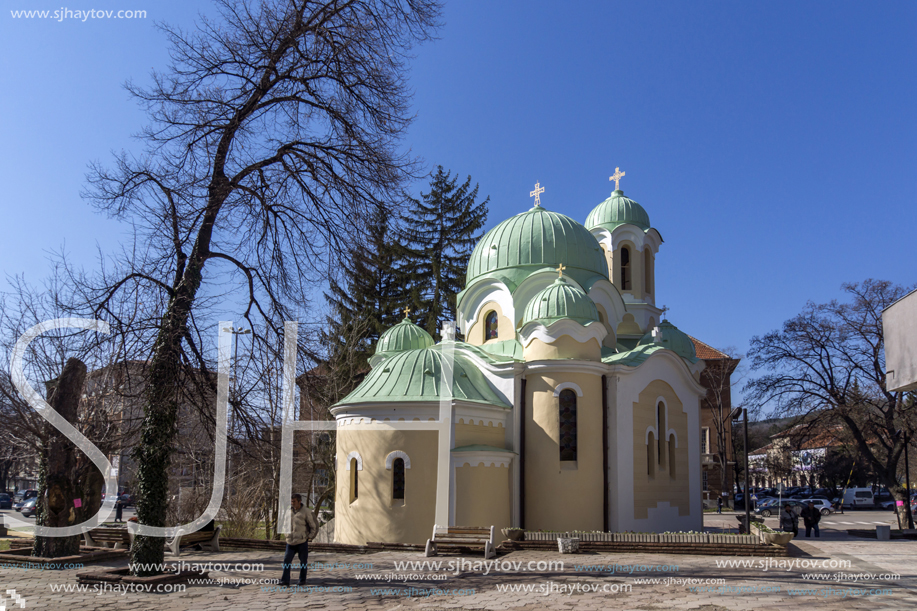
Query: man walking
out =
(303, 529)
(719, 504)
(810, 517)
(789, 520)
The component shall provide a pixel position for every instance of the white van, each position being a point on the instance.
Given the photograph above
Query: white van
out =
(862, 496)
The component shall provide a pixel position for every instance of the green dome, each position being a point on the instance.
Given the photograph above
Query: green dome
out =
(618, 210)
(416, 375)
(536, 239)
(404, 336)
(561, 300)
(673, 339)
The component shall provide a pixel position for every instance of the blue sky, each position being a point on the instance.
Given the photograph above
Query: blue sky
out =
(773, 144)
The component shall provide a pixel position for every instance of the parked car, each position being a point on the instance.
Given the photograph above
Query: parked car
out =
(776, 508)
(862, 497)
(28, 508)
(127, 499)
(823, 505)
(5, 501)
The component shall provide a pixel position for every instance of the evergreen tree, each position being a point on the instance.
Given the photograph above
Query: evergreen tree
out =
(367, 300)
(439, 234)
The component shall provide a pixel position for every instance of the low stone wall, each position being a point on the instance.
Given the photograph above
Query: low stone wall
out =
(719, 538)
(697, 549)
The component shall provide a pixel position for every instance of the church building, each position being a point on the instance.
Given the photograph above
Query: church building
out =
(571, 405)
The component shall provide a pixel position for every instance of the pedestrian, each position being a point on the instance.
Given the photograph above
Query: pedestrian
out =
(119, 510)
(789, 520)
(811, 517)
(719, 504)
(302, 530)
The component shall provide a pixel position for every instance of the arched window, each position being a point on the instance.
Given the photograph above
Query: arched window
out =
(648, 270)
(398, 479)
(672, 461)
(650, 459)
(660, 426)
(625, 268)
(354, 469)
(490, 326)
(567, 407)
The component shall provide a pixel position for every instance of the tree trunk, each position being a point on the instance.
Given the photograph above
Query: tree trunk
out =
(58, 496)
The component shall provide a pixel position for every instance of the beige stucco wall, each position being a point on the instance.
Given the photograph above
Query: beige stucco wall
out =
(629, 326)
(505, 328)
(375, 516)
(611, 339)
(482, 497)
(564, 347)
(563, 496)
(483, 434)
(649, 491)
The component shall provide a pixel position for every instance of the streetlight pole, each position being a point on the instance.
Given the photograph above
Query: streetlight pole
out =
(747, 497)
(235, 370)
(907, 481)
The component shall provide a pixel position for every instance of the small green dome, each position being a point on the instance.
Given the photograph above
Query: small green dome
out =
(618, 210)
(672, 339)
(536, 239)
(561, 300)
(404, 336)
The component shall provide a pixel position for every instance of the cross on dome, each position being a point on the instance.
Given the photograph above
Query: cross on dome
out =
(537, 193)
(407, 311)
(664, 310)
(617, 176)
(560, 270)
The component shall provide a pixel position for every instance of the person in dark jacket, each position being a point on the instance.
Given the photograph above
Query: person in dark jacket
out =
(119, 510)
(789, 520)
(810, 517)
(719, 504)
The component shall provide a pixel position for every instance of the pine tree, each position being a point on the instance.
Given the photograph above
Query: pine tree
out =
(367, 300)
(438, 237)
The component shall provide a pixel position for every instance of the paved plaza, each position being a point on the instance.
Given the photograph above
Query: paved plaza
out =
(837, 572)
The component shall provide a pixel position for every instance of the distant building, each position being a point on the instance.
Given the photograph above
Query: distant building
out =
(899, 324)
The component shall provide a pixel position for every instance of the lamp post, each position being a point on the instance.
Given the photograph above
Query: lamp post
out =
(235, 378)
(736, 413)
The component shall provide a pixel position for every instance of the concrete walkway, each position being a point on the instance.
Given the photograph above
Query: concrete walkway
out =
(856, 570)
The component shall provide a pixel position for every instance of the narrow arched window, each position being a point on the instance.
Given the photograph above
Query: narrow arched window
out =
(672, 461)
(625, 269)
(647, 270)
(567, 409)
(354, 479)
(490, 326)
(650, 459)
(398, 479)
(660, 426)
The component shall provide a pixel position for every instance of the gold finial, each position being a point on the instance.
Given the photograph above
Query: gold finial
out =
(407, 311)
(560, 270)
(617, 176)
(537, 193)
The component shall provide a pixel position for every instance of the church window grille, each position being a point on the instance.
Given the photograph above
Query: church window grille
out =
(490, 326)
(625, 269)
(398, 479)
(567, 409)
(650, 459)
(672, 461)
(354, 480)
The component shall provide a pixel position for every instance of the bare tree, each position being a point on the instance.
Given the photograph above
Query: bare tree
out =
(828, 365)
(273, 135)
(717, 379)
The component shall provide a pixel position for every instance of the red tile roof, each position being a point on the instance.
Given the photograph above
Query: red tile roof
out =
(705, 351)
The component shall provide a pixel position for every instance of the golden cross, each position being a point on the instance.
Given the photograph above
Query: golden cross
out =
(617, 176)
(537, 193)
(560, 270)
(407, 311)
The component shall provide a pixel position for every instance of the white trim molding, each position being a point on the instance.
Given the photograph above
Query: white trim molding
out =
(564, 326)
(390, 459)
(359, 458)
(475, 458)
(566, 385)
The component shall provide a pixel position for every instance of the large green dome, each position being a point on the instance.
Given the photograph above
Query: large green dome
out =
(561, 300)
(404, 336)
(536, 239)
(618, 210)
(672, 338)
